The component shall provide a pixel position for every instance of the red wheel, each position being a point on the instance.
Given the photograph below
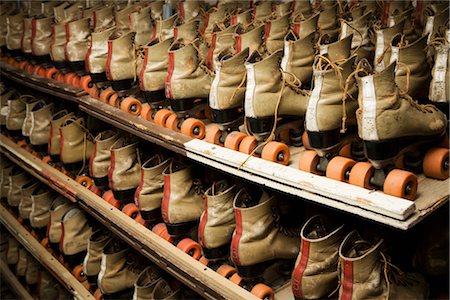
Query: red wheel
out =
(361, 174)
(172, 122)
(79, 274)
(235, 278)
(190, 247)
(346, 150)
(51, 73)
(194, 128)
(41, 71)
(29, 68)
(76, 81)
(305, 141)
(69, 78)
(400, 183)
(276, 152)
(162, 115)
(339, 168)
(248, 145)
(114, 100)
(131, 105)
(108, 195)
(161, 230)
(114, 203)
(213, 134)
(203, 260)
(85, 181)
(60, 77)
(226, 271)
(146, 109)
(263, 291)
(106, 94)
(45, 242)
(96, 190)
(435, 163)
(47, 159)
(23, 65)
(98, 295)
(86, 83)
(308, 162)
(131, 210)
(94, 93)
(233, 140)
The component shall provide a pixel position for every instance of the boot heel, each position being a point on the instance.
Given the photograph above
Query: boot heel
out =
(216, 253)
(180, 229)
(253, 271)
(124, 196)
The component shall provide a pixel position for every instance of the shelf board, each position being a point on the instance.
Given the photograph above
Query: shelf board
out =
(43, 256)
(368, 204)
(13, 282)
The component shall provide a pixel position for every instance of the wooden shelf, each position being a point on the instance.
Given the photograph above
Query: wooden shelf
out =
(43, 256)
(12, 282)
(367, 204)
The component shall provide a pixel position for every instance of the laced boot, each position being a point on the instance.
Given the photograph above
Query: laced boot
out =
(40, 43)
(262, 11)
(100, 160)
(335, 49)
(383, 38)
(121, 17)
(26, 203)
(14, 35)
(12, 253)
(439, 92)
(213, 16)
(146, 282)
(187, 32)
(4, 237)
(366, 272)
(47, 286)
(359, 28)
(22, 262)
(163, 290)
(328, 20)
(149, 194)
(245, 18)
(6, 169)
(140, 23)
(409, 30)
(250, 37)
(31, 274)
(93, 258)
(315, 273)
(302, 26)
(164, 28)
(103, 18)
(4, 97)
(125, 169)
(76, 47)
(275, 31)
(391, 124)
(217, 221)
(282, 9)
(182, 202)
(221, 39)
(26, 39)
(28, 122)
(6, 10)
(57, 210)
(41, 115)
(152, 76)
(16, 115)
(76, 144)
(301, 7)
(119, 270)
(75, 235)
(255, 248)
(435, 20)
(54, 139)
(42, 199)
(17, 179)
(189, 10)
(156, 9)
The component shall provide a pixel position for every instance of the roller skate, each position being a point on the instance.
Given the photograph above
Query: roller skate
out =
(54, 140)
(26, 202)
(46, 286)
(100, 160)
(91, 263)
(28, 122)
(12, 252)
(383, 38)
(5, 96)
(21, 266)
(410, 142)
(42, 199)
(41, 115)
(57, 211)
(14, 36)
(146, 282)
(186, 69)
(276, 30)
(17, 178)
(249, 37)
(32, 270)
(40, 45)
(256, 249)
(7, 9)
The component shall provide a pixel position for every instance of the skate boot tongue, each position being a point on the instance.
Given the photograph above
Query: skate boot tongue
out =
(359, 248)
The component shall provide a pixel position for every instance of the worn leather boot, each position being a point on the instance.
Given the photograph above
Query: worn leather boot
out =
(12, 253)
(14, 34)
(146, 282)
(6, 169)
(121, 18)
(26, 203)
(40, 40)
(365, 273)
(26, 37)
(163, 290)
(244, 18)
(120, 68)
(97, 55)
(76, 143)
(4, 237)
(262, 11)
(22, 262)
(149, 194)
(125, 169)
(315, 274)
(253, 248)
(42, 199)
(54, 140)
(221, 39)
(189, 10)
(103, 18)
(4, 110)
(383, 38)
(47, 286)
(17, 179)
(440, 83)
(156, 9)
(28, 122)
(77, 44)
(75, 235)
(32, 272)
(187, 32)
(140, 23)
(217, 221)
(301, 7)
(41, 116)
(164, 28)
(57, 46)
(275, 32)
(57, 211)
(182, 203)
(93, 258)
(328, 20)
(361, 43)
(336, 50)
(213, 16)
(251, 37)
(16, 115)
(100, 160)
(303, 27)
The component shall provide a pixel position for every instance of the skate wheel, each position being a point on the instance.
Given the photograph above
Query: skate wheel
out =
(400, 183)
(305, 141)
(29, 68)
(23, 65)
(339, 168)
(108, 195)
(114, 202)
(114, 100)
(45, 243)
(131, 105)
(194, 128)
(190, 247)
(79, 274)
(86, 285)
(203, 260)
(161, 230)
(98, 295)
(106, 94)
(60, 78)
(51, 73)
(172, 122)
(94, 93)
(76, 81)
(346, 150)
(226, 271)
(308, 162)
(84, 181)
(435, 163)
(360, 175)
(162, 115)
(235, 278)
(86, 83)
(96, 190)
(276, 152)
(131, 210)
(69, 78)
(233, 140)
(263, 291)
(46, 159)
(40, 71)
(146, 109)
(10, 61)
(213, 135)
(248, 145)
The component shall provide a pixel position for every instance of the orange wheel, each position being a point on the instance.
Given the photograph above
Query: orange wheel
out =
(29, 68)
(86, 285)
(76, 81)
(86, 83)
(20, 220)
(51, 73)
(190, 247)
(276, 152)
(98, 295)
(308, 162)
(203, 260)
(235, 278)
(114, 100)
(339, 168)
(140, 220)
(45, 242)
(213, 134)
(346, 150)
(263, 291)
(108, 195)
(162, 115)
(131, 105)
(131, 210)
(400, 183)
(106, 94)
(248, 145)
(94, 93)
(226, 271)
(23, 65)
(114, 202)
(193, 128)
(233, 140)
(10, 61)
(39, 70)
(161, 230)
(172, 122)
(360, 175)
(435, 163)
(22, 144)
(96, 190)
(85, 181)
(79, 274)
(69, 78)
(305, 141)
(145, 110)
(60, 78)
